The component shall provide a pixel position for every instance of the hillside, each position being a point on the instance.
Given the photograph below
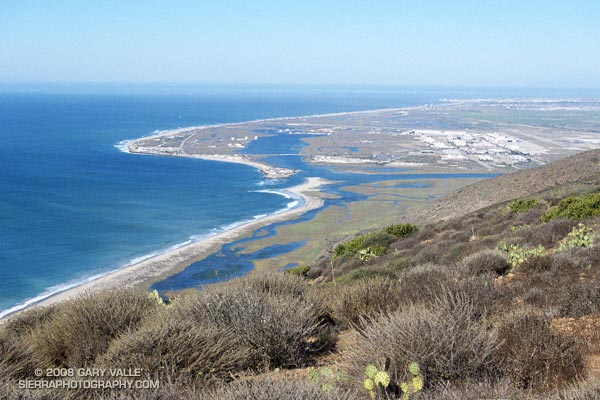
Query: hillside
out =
(511, 186)
(500, 301)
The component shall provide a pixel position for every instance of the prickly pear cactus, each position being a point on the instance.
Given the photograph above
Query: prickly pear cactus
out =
(376, 381)
(414, 368)
(326, 377)
(416, 383)
(580, 236)
(370, 371)
(405, 387)
(382, 378)
(156, 297)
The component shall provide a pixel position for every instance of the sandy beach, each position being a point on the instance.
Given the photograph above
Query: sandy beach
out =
(162, 265)
(269, 171)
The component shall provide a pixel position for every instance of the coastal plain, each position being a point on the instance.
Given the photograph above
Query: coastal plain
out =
(499, 135)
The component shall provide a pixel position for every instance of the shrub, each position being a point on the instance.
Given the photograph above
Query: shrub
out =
(580, 236)
(328, 378)
(401, 230)
(445, 251)
(581, 258)
(168, 390)
(376, 243)
(523, 205)
(408, 244)
(423, 282)
(275, 284)
(455, 253)
(533, 355)
(487, 389)
(366, 272)
(575, 207)
(300, 270)
(580, 299)
(29, 319)
(548, 234)
(11, 391)
(16, 360)
(460, 236)
(357, 304)
(564, 261)
(588, 389)
(381, 239)
(352, 247)
(255, 323)
(170, 347)
(485, 297)
(370, 252)
(518, 254)
(587, 257)
(486, 261)
(537, 264)
(277, 390)
(428, 232)
(447, 341)
(82, 328)
(278, 317)
(535, 296)
(398, 264)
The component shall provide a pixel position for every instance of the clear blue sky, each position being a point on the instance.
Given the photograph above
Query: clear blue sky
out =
(491, 43)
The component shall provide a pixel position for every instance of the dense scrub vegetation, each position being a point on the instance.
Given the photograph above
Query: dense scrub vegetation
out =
(576, 207)
(501, 303)
(523, 205)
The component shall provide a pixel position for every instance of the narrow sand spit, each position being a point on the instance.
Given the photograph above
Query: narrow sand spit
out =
(169, 263)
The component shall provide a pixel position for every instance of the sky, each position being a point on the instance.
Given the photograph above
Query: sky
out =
(525, 43)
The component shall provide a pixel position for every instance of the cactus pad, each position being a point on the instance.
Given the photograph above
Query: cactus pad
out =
(418, 383)
(414, 368)
(404, 386)
(370, 371)
(369, 384)
(382, 378)
(327, 372)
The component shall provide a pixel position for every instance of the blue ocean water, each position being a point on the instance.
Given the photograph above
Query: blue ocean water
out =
(72, 206)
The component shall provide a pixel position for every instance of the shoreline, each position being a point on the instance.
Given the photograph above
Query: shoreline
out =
(269, 171)
(152, 268)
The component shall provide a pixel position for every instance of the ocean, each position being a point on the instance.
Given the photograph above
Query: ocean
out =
(73, 206)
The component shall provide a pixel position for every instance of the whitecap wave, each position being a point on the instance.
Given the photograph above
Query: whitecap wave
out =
(297, 200)
(268, 182)
(123, 146)
(283, 193)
